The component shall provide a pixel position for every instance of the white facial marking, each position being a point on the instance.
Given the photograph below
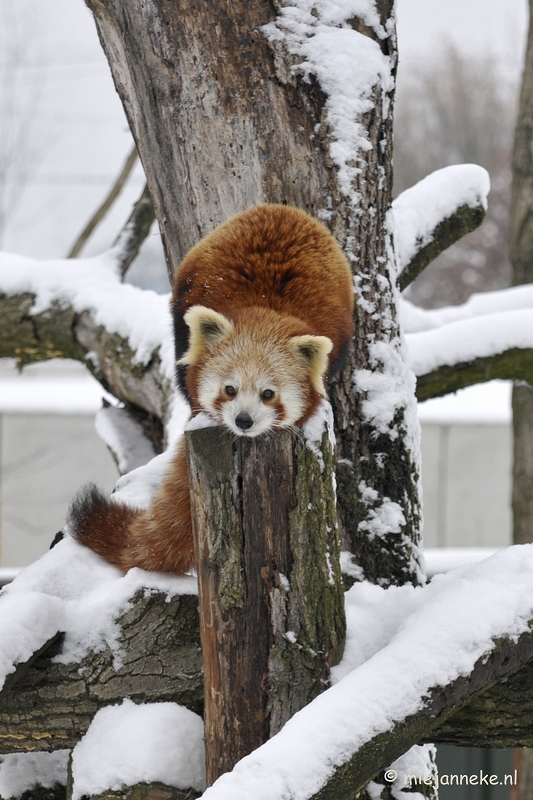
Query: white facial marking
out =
(274, 371)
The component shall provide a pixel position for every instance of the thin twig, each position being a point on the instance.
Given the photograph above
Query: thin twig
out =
(99, 215)
(129, 241)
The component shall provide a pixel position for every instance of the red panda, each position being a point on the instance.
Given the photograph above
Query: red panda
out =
(262, 310)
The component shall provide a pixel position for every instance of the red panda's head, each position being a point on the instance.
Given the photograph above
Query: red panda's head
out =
(255, 372)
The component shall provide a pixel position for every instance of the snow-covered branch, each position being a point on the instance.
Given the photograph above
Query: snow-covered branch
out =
(76, 634)
(490, 336)
(138, 635)
(435, 213)
(80, 309)
(441, 645)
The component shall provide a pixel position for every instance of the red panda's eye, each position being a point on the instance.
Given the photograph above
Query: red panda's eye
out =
(268, 394)
(231, 391)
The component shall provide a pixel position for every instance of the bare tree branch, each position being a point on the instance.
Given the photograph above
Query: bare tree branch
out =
(100, 213)
(129, 241)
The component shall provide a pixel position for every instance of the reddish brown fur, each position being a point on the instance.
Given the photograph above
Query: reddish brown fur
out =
(158, 539)
(272, 267)
(273, 257)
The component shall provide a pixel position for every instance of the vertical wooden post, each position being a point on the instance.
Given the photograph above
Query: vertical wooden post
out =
(271, 598)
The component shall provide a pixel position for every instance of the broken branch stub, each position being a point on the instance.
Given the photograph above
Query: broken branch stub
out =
(271, 597)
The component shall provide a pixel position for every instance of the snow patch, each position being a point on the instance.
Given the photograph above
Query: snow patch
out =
(415, 319)
(466, 340)
(385, 518)
(93, 284)
(436, 632)
(419, 210)
(138, 487)
(124, 437)
(321, 422)
(389, 387)
(21, 772)
(201, 420)
(73, 591)
(129, 744)
(347, 64)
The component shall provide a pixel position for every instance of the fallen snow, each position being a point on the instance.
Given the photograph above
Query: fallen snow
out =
(347, 64)
(443, 559)
(419, 210)
(138, 487)
(72, 590)
(21, 772)
(487, 324)
(129, 744)
(436, 633)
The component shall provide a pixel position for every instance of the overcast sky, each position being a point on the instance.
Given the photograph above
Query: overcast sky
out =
(80, 134)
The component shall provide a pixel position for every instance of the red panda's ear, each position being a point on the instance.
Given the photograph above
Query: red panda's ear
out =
(313, 351)
(207, 328)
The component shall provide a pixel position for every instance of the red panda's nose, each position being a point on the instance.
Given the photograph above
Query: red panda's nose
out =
(243, 421)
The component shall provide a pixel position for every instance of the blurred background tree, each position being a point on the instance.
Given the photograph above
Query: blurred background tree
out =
(459, 110)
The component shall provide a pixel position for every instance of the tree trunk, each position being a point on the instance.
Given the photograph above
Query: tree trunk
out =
(521, 252)
(268, 641)
(225, 112)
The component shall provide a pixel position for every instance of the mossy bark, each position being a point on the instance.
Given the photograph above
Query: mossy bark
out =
(59, 332)
(50, 705)
(450, 230)
(513, 364)
(218, 109)
(271, 598)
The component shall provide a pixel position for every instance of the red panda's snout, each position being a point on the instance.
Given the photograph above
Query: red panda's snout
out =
(246, 407)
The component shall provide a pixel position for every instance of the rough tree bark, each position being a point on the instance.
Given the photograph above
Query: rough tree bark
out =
(48, 706)
(223, 118)
(268, 640)
(218, 109)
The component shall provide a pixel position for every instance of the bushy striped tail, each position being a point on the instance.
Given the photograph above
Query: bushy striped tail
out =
(102, 525)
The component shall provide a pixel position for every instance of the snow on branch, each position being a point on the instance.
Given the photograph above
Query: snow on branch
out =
(80, 309)
(488, 337)
(348, 66)
(135, 634)
(453, 638)
(435, 213)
